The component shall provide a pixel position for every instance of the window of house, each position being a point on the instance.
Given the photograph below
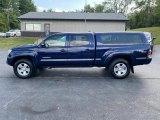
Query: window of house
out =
(29, 27)
(33, 27)
(37, 27)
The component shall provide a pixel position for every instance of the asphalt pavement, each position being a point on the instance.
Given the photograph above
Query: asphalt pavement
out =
(81, 94)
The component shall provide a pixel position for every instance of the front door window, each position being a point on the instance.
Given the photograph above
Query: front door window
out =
(56, 41)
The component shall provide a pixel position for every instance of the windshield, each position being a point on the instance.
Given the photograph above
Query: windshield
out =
(41, 40)
(11, 30)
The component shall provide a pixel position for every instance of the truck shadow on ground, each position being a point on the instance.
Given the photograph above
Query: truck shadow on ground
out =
(74, 72)
(78, 73)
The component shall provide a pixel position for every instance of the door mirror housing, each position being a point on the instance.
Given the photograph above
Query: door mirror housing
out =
(43, 45)
(46, 45)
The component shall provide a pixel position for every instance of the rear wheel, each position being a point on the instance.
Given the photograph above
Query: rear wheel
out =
(119, 68)
(23, 68)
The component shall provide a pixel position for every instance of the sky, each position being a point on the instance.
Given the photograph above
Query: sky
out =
(63, 5)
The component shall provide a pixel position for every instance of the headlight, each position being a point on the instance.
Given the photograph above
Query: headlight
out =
(9, 51)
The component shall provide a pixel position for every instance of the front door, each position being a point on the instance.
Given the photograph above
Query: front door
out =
(55, 53)
(81, 50)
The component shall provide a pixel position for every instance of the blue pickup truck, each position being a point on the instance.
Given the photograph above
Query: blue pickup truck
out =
(119, 52)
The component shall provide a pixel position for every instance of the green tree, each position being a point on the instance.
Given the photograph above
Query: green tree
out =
(117, 6)
(156, 14)
(50, 10)
(99, 8)
(147, 8)
(9, 8)
(26, 6)
(147, 13)
(89, 8)
(3, 24)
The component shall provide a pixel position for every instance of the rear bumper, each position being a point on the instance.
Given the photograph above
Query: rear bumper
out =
(148, 61)
(144, 61)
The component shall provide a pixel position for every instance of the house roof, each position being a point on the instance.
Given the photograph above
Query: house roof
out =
(73, 16)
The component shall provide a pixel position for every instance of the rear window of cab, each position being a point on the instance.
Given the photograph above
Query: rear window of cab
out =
(103, 39)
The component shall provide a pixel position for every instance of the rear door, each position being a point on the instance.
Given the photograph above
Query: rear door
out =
(81, 50)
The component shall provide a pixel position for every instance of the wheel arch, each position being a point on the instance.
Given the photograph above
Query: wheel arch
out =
(30, 58)
(127, 57)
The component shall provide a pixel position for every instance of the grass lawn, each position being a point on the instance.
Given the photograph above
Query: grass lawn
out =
(15, 41)
(154, 30)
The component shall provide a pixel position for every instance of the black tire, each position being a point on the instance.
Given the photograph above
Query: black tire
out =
(114, 64)
(29, 65)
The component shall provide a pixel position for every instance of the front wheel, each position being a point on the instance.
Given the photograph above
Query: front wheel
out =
(23, 68)
(119, 68)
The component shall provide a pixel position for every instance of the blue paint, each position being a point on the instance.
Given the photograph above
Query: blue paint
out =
(93, 54)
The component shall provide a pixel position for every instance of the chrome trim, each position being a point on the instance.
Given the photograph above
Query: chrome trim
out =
(45, 60)
(98, 59)
(141, 58)
(120, 69)
(23, 69)
(46, 57)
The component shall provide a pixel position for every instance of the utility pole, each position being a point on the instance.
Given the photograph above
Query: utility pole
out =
(85, 12)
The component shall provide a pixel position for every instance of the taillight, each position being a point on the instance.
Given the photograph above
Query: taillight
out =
(149, 53)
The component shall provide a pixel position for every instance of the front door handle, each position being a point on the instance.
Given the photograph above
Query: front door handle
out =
(63, 50)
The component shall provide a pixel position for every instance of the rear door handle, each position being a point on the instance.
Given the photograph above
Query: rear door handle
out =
(87, 50)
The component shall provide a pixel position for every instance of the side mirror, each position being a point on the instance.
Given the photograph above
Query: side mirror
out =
(43, 45)
(46, 45)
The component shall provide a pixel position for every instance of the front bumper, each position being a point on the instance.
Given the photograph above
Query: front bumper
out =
(9, 60)
(8, 34)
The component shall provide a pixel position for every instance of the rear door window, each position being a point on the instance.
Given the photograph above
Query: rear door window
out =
(79, 40)
(119, 39)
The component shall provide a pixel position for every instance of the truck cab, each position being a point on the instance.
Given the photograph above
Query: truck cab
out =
(68, 49)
